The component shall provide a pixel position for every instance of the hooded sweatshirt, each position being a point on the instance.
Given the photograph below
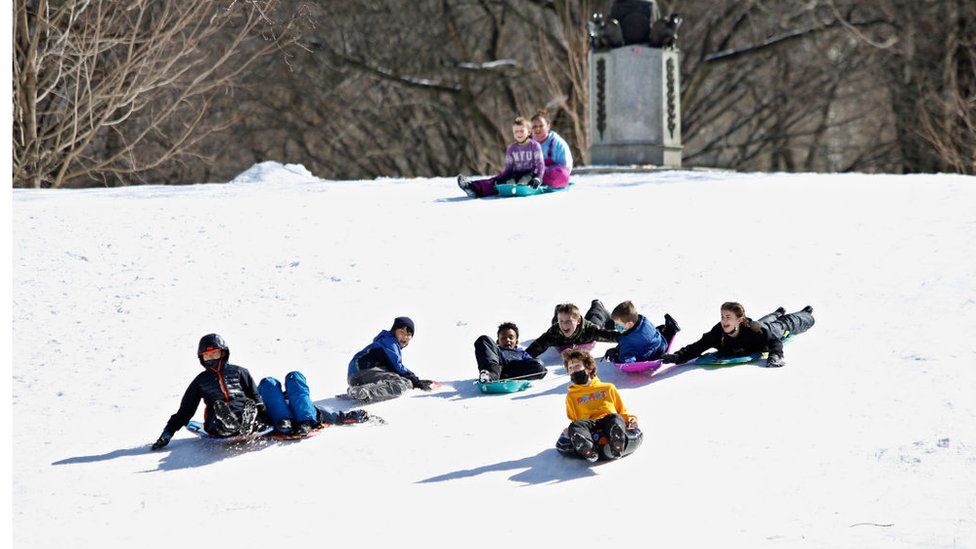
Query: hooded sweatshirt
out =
(594, 400)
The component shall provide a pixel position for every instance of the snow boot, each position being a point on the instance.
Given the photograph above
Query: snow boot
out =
(465, 185)
(584, 447)
(284, 427)
(808, 309)
(303, 429)
(224, 418)
(618, 438)
(249, 418)
(671, 324)
(780, 311)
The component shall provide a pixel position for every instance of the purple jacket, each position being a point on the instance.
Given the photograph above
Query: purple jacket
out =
(524, 158)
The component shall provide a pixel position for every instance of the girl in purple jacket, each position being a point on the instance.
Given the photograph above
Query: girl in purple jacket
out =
(524, 164)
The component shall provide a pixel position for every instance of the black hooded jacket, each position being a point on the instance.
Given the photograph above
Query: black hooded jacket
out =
(747, 342)
(218, 381)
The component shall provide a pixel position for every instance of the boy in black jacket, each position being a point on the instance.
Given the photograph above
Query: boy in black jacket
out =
(738, 335)
(228, 391)
(569, 329)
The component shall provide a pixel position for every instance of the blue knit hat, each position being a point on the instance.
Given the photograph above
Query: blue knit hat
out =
(402, 322)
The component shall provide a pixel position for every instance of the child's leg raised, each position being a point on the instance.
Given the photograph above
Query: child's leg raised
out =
(299, 400)
(488, 357)
(274, 400)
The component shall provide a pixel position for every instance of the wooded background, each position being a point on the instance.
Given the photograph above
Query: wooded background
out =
(120, 92)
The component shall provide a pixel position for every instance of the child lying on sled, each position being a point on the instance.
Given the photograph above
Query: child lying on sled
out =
(639, 339)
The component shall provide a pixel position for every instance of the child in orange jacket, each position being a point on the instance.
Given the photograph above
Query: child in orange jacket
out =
(595, 409)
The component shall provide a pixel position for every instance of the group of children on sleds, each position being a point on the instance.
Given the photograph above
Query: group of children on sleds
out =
(600, 425)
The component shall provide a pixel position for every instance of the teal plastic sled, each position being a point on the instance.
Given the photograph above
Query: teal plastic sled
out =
(712, 359)
(511, 189)
(504, 386)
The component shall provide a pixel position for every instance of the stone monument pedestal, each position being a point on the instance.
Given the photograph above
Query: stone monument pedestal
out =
(635, 107)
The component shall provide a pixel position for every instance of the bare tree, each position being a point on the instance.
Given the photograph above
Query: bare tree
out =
(112, 88)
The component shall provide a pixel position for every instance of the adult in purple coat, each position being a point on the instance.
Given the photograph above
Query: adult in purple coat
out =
(524, 164)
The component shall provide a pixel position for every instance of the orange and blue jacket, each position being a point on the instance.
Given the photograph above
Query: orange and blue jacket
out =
(594, 401)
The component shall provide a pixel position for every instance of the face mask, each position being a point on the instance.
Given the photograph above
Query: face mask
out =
(618, 327)
(211, 364)
(580, 377)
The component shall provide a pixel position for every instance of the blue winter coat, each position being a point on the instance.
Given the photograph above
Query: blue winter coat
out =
(383, 352)
(642, 342)
(555, 150)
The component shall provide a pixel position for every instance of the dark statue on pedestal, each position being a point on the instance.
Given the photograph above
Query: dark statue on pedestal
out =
(633, 22)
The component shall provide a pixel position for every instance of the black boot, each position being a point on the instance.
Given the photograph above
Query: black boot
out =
(617, 440)
(249, 418)
(584, 447)
(303, 428)
(225, 420)
(780, 311)
(671, 324)
(808, 309)
(284, 427)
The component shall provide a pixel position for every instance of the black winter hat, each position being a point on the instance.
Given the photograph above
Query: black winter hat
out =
(402, 322)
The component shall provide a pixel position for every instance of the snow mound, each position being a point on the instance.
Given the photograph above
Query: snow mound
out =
(276, 172)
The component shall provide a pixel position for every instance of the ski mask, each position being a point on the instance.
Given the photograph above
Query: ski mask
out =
(580, 377)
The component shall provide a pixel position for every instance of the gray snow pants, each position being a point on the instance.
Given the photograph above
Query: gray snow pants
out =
(376, 385)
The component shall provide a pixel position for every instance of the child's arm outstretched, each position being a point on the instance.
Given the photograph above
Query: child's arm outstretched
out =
(188, 407)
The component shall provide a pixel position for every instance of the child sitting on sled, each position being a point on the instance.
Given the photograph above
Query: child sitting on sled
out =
(738, 335)
(639, 340)
(233, 405)
(595, 409)
(377, 372)
(504, 359)
(524, 165)
(569, 329)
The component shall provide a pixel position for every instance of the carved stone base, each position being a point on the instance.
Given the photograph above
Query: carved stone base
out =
(635, 107)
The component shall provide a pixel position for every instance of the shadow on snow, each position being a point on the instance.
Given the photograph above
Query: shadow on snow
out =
(545, 467)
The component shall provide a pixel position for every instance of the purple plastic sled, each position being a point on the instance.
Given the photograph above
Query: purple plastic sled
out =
(647, 366)
(581, 346)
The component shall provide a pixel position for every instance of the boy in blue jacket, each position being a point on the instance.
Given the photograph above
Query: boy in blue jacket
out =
(377, 372)
(640, 340)
(504, 359)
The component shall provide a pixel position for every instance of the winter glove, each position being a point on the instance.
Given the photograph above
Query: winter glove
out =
(670, 358)
(775, 361)
(163, 440)
(535, 182)
(355, 416)
(422, 384)
(612, 354)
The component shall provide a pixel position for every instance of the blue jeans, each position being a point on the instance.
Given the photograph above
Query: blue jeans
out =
(295, 403)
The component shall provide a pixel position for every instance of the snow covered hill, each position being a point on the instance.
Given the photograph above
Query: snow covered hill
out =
(867, 438)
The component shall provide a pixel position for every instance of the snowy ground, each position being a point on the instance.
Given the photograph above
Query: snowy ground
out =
(867, 438)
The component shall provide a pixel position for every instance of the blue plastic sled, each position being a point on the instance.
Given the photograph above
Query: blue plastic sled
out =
(511, 189)
(504, 386)
(196, 428)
